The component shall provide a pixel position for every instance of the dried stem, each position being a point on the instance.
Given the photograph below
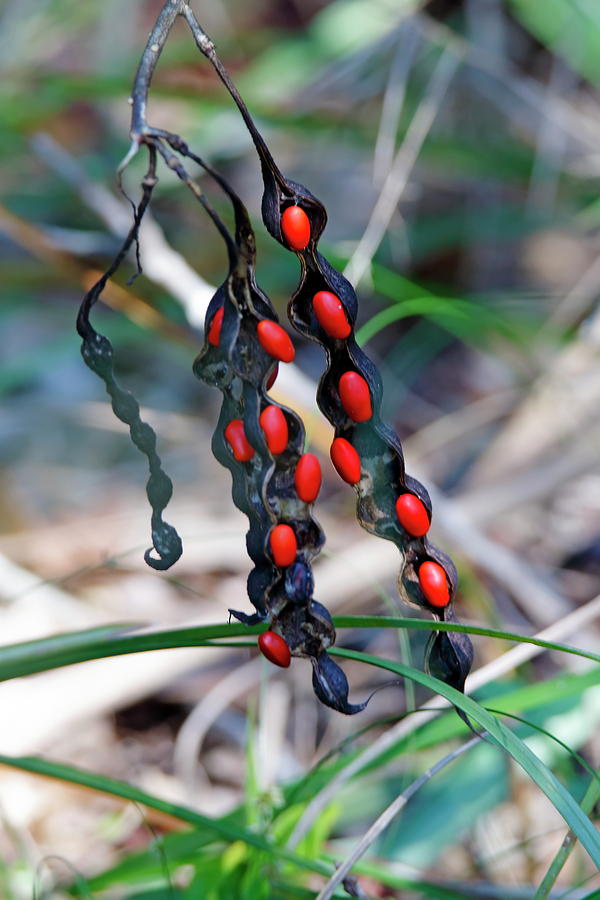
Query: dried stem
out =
(382, 822)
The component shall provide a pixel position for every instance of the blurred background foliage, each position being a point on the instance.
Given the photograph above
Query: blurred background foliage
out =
(479, 289)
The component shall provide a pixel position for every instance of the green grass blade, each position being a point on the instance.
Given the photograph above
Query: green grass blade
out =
(30, 657)
(560, 798)
(220, 829)
(428, 625)
(592, 795)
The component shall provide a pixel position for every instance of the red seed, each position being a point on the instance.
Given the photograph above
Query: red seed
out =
(274, 647)
(346, 460)
(355, 396)
(274, 424)
(272, 377)
(275, 340)
(237, 440)
(331, 315)
(283, 545)
(434, 584)
(295, 226)
(307, 477)
(214, 331)
(412, 515)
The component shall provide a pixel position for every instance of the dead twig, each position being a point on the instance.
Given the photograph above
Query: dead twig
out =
(403, 164)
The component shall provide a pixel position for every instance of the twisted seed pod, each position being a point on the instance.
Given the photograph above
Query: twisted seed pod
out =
(235, 361)
(98, 355)
(349, 395)
(383, 479)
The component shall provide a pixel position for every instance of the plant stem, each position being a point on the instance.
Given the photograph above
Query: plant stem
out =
(592, 795)
(381, 823)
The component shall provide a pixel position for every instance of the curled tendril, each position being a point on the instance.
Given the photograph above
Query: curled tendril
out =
(98, 355)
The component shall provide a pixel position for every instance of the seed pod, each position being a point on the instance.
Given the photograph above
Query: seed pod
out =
(98, 354)
(350, 394)
(275, 341)
(235, 436)
(307, 477)
(299, 582)
(272, 378)
(331, 315)
(284, 546)
(214, 332)
(274, 425)
(412, 515)
(346, 460)
(243, 340)
(275, 649)
(295, 227)
(355, 396)
(434, 584)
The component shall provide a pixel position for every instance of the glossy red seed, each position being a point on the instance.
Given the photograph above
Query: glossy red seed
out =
(237, 440)
(434, 584)
(307, 477)
(272, 377)
(275, 340)
(355, 396)
(214, 331)
(274, 424)
(295, 227)
(412, 515)
(283, 545)
(274, 647)
(346, 460)
(331, 315)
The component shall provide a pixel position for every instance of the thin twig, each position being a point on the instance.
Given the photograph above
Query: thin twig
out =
(550, 144)
(382, 822)
(578, 301)
(160, 262)
(592, 795)
(582, 129)
(403, 164)
(514, 657)
(154, 46)
(393, 102)
(188, 744)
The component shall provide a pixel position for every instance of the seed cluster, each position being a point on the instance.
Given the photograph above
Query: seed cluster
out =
(261, 442)
(274, 482)
(365, 452)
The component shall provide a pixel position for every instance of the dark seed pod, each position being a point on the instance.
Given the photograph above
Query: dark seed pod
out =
(97, 353)
(243, 343)
(274, 482)
(390, 504)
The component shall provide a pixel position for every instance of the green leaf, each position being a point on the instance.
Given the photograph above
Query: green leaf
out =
(428, 625)
(29, 657)
(471, 321)
(570, 28)
(560, 798)
(219, 829)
